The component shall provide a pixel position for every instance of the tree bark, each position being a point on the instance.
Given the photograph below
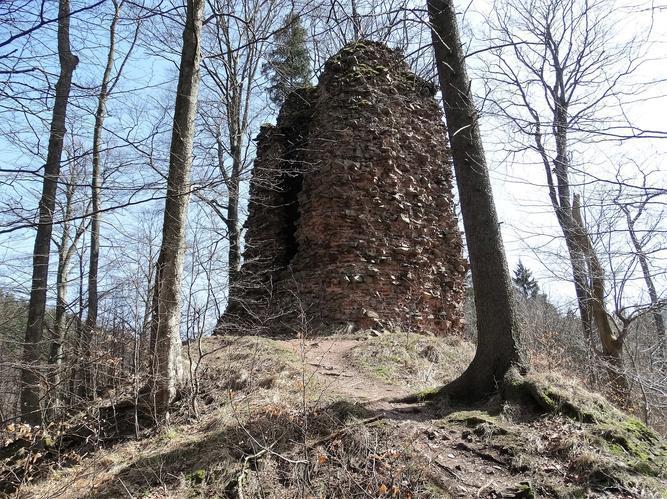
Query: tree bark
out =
(612, 344)
(231, 219)
(559, 195)
(498, 331)
(32, 352)
(169, 369)
(96, 185)
(234, 232)
(658, 318)
(356, 24)
(59, 327)
(66, 248)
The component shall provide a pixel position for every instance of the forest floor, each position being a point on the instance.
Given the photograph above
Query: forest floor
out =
(327, 360)
(317, 417)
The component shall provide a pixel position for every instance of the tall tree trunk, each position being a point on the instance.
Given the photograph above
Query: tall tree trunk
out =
(73, 390)
(356, 22)
(559, 195)
(234, 76)
(56, 350)
(232, 181)
(153, 329)
(498, 331)
(658, 318)
(143, 342)
(59, 326)
(580, 274)
(567, 219)
(32, 351)
(96, 185)
(234, 255)
(612, 344)
(169, 369)
(66, 247)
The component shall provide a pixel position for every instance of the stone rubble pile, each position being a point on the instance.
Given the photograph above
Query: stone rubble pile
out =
(351, 218)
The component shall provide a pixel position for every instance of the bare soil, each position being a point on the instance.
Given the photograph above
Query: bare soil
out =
(319, 418)
(463, 469)
(327, 360)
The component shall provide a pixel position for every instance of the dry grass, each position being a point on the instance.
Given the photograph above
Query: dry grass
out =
(411, 360)
(267, 429)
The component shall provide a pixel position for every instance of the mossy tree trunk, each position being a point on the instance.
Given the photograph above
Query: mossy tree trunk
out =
(499, 346)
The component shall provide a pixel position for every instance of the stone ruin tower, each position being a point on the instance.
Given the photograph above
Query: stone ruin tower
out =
(351, 220)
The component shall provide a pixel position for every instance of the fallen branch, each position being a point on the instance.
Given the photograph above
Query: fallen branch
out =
(244, 469)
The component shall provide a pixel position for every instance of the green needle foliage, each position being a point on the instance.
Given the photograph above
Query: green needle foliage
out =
(524, 281)
(288, 64)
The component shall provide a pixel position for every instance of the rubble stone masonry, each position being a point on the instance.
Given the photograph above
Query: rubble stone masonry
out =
(351, 219)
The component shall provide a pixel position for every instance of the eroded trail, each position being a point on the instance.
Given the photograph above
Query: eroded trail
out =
(464, 469)
(327, 361)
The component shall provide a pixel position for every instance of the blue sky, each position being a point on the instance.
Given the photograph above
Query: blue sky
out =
(145, 97)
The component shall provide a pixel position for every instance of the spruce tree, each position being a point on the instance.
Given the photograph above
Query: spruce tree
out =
(288, 64)
(524, 281)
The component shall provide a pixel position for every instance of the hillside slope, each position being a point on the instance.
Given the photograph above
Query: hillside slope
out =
(314, 418)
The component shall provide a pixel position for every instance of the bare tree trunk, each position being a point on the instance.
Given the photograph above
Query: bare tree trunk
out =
(96, 184)
(498, 331)
(570, 93)
(153, 327)
(234, 232)
(580, 277)
(55, 355)
(559, 195)
(231, 220)
(612, 344)
(59, 326)
(66, 248)
(658, 318)
(74, 389)
(144, 344)
(356, 23)
(233, 75)
(32, 352)
(169, 370)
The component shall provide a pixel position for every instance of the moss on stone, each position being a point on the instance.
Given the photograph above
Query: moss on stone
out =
(625, 449)
(634, 444)
(428, 393)
(611, 449)
(472, 418)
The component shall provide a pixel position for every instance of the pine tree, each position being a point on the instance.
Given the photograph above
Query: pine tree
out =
(288, 65)
(524, 281)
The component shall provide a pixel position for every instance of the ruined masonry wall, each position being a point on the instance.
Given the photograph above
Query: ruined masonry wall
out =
(351, 216)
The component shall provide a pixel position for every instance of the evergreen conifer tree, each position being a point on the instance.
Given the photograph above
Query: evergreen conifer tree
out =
(288, 64)
(524, 281)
